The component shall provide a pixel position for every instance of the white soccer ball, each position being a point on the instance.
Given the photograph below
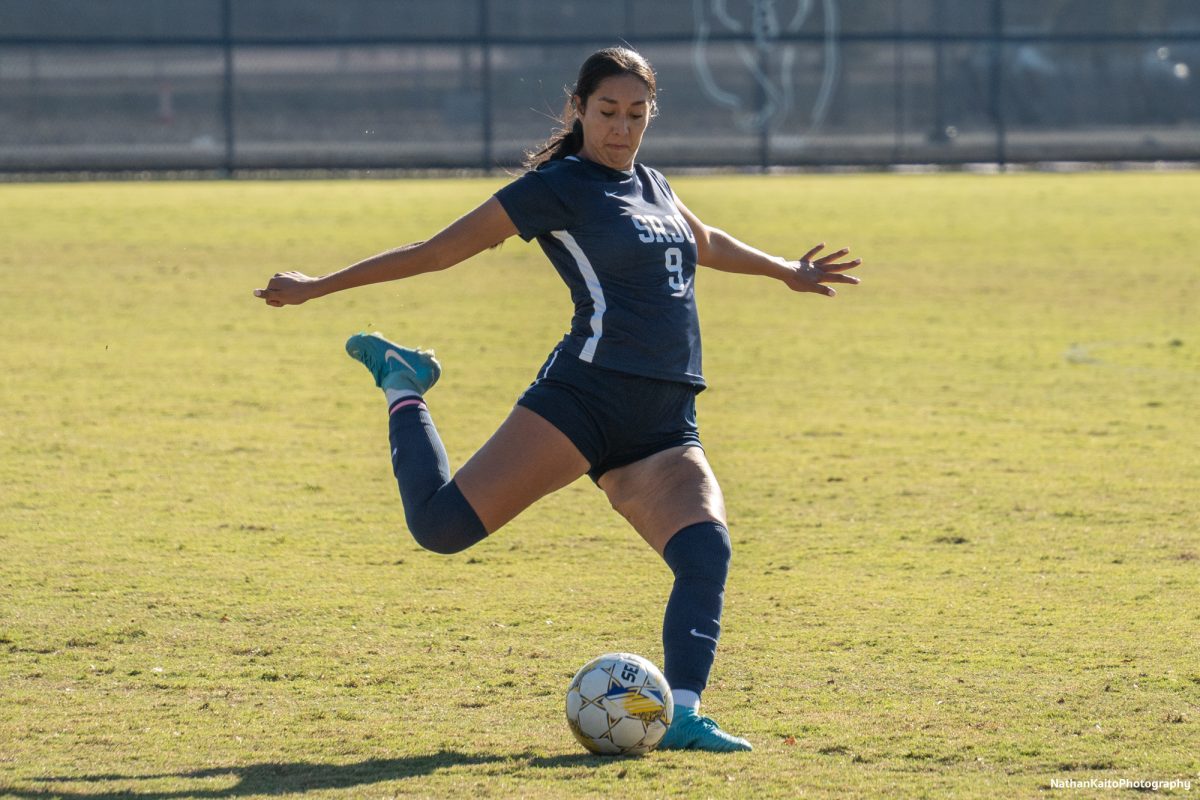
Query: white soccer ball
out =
(619, 704)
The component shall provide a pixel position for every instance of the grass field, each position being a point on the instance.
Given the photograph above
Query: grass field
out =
(963, 500)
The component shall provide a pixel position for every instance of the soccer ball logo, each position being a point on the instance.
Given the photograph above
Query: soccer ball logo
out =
(619, 704)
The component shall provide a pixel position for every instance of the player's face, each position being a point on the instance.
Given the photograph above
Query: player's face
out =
(614, 119)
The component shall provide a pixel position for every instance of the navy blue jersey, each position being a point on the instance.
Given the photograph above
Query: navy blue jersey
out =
(628, 257)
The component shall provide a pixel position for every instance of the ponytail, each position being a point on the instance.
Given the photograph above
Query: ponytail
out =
(566, 141)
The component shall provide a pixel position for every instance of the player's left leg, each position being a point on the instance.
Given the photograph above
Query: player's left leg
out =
(526, 459)
(674, 501)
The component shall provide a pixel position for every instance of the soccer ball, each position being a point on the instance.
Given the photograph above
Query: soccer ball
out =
(619, 704)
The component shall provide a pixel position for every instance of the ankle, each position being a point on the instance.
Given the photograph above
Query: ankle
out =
(687, 699)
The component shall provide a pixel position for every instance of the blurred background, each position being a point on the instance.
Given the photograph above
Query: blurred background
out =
(229, 85)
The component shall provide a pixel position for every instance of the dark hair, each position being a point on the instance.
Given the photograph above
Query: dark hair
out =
(606, 63)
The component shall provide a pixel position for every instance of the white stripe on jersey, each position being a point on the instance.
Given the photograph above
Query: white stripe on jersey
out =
(593, 287)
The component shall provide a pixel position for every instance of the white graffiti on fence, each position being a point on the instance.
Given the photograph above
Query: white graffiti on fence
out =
(770, 61)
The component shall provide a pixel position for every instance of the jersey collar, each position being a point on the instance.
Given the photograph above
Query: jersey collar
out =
(615, 174)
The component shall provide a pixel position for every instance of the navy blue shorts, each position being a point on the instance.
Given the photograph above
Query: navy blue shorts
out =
(613, 418)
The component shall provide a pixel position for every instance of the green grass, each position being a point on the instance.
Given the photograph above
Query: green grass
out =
(962, 498)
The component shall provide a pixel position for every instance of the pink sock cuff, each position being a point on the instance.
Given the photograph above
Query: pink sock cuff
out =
(408, 402)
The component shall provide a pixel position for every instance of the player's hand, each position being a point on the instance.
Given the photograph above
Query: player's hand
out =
(287, 289)
(808, 275)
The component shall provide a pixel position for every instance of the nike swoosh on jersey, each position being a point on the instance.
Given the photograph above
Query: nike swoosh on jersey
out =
(700, 635)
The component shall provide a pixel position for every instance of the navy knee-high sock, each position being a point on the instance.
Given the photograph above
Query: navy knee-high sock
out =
(438, 515)
(699, 556)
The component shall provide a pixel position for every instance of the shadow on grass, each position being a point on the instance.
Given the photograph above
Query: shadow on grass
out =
(575, 760)
(261, 779)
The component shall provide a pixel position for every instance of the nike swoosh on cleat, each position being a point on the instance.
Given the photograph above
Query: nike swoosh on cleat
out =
(700, 635)
(393, 354)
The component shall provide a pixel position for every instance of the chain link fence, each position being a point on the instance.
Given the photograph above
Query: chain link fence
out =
(229, 85)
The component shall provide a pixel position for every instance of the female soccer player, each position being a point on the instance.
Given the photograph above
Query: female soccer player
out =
(615, 399)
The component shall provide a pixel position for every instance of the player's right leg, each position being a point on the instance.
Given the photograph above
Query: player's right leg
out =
(674, 501)
(524, 460)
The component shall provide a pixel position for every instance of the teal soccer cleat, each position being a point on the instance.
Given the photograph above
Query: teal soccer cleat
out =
(690, 731)
(393, 366)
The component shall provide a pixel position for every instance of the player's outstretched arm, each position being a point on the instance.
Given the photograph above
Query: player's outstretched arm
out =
(718, 250)
(486, 226)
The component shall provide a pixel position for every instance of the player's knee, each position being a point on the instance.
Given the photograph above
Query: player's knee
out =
(700, 552)
(446, 523)
(436, 536)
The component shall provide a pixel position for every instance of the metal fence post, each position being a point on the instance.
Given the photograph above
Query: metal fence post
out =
(227, 89)
(485, 49)
(764, 121)
(939, 132)
(998, 104)
(898, 106)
